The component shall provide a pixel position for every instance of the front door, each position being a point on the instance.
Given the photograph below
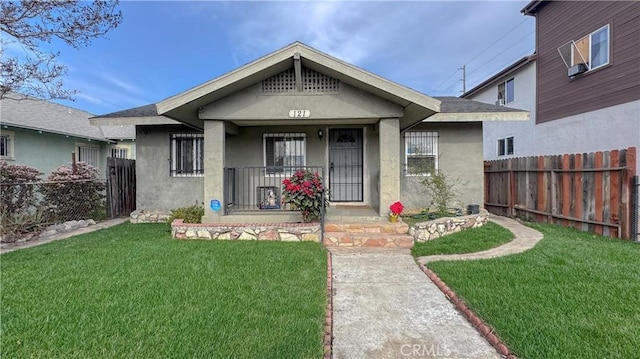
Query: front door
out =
(345, 164)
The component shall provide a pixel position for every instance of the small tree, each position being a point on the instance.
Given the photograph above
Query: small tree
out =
(441, 189)
(74, 192)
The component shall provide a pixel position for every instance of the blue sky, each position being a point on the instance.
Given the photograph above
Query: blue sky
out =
(164, 48)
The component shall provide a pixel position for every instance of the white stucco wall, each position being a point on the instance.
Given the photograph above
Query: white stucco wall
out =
(525, 99)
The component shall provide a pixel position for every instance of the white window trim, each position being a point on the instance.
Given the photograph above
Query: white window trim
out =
(173, 164)
(504, 101)
(506, 147)
(434, 154)
(283, 135)
(78, 145)
(588, 59)
(11, 139)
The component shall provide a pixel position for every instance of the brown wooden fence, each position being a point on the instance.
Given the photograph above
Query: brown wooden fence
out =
(121, 187)
(589, 191)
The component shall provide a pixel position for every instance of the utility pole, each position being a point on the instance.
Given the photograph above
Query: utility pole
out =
(464, 78)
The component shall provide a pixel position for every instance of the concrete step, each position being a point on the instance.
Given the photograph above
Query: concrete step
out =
(367, 227)
(362, 239)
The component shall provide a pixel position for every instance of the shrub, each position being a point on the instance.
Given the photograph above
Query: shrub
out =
(19, 199)
(74, 193)
(442, 191)
(305, 192)
(18, 193)
(192, 214)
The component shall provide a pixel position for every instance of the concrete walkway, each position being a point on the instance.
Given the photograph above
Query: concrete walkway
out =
(10, 247)
(384, 306)
(525, 238)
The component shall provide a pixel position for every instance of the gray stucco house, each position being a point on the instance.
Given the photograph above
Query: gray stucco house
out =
(235, 138)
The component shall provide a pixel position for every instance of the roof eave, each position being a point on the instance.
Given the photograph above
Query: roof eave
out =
(62, 133)
(532, 8)
(479, 117)
(132, 121)
(505, 72)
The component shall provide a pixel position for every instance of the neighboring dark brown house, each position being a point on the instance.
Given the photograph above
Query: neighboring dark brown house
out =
(598, 42)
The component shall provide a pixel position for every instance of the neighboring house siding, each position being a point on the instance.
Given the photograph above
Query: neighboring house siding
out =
(155, 188)
(460, 158)
(559, 22)
(46, 151)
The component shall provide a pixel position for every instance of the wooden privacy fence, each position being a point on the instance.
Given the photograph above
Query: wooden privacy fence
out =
(121, 187)
(590, 191)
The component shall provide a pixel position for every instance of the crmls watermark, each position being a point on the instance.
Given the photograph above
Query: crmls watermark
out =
(423, 351)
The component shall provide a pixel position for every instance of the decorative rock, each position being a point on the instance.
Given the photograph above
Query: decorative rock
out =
(204, 234)
(288, 237)
(426, 231)
(247, 236)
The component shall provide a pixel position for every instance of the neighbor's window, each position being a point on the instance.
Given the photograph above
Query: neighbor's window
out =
(505, 146)
(506, 92)
(6, 145)
(89, 154)
(187, 155)
(421, 152)
(119, 152)
(592, 50)
(283, 150)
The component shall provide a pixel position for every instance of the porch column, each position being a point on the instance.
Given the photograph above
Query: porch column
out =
(389, 163)
(214, 135)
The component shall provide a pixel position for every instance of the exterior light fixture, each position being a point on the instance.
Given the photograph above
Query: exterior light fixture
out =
(320, 133)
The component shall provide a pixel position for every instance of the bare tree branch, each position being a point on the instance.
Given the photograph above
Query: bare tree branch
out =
(30, 23)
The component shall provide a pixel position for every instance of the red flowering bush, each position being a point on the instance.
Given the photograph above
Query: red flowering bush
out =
(396, 209)
(306, 193)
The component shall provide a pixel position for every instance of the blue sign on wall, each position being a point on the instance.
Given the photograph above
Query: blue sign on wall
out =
(215, 205)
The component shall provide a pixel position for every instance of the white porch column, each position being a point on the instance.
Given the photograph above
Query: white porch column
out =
(214, 135)
(389, 163)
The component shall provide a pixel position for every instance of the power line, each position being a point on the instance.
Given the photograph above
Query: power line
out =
(495, 42)
(502, 52)
(448, 78)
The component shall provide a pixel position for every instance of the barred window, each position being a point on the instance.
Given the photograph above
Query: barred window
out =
(283, 150)
(89, 155)
(187, 155)
(421, 153)
(118, 152)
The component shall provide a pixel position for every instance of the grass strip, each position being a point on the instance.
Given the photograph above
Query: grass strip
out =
(468, 241)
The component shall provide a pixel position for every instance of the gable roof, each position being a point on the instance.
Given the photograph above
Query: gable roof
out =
(184, 106)
(21, 111)
(505, 72)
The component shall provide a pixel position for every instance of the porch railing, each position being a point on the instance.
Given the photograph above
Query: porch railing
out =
(259, 189)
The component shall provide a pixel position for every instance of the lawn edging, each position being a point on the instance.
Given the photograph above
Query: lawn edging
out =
(439, 227)
(485, 330)
(328, 324)
(287, 232)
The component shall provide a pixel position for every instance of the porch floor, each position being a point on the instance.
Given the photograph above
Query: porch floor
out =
(348, 213)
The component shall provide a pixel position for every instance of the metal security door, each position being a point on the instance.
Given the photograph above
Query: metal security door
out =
(345, 165)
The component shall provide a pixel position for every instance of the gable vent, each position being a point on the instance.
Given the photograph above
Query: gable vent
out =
(312, 81)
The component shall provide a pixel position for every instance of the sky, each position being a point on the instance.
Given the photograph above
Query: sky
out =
(163, 48)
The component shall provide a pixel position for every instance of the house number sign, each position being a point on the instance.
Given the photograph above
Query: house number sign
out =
(299, 113)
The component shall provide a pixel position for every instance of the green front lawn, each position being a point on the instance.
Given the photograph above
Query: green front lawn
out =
(468, 241)
(133, 292)
(575, 295)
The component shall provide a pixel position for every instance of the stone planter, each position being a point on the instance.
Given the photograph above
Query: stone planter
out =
(426, 231)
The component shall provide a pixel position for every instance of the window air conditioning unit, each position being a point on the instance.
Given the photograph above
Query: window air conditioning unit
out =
(577, 69)
(500, 102)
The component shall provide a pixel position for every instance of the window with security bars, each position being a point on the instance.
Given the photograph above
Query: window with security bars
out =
(421, 152)
(89, 155)
(283, 151)
(187, 155)
(118, 152)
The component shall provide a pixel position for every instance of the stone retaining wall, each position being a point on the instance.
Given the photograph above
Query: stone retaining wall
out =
(289, 232)
(426, 231)
(143, 216)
